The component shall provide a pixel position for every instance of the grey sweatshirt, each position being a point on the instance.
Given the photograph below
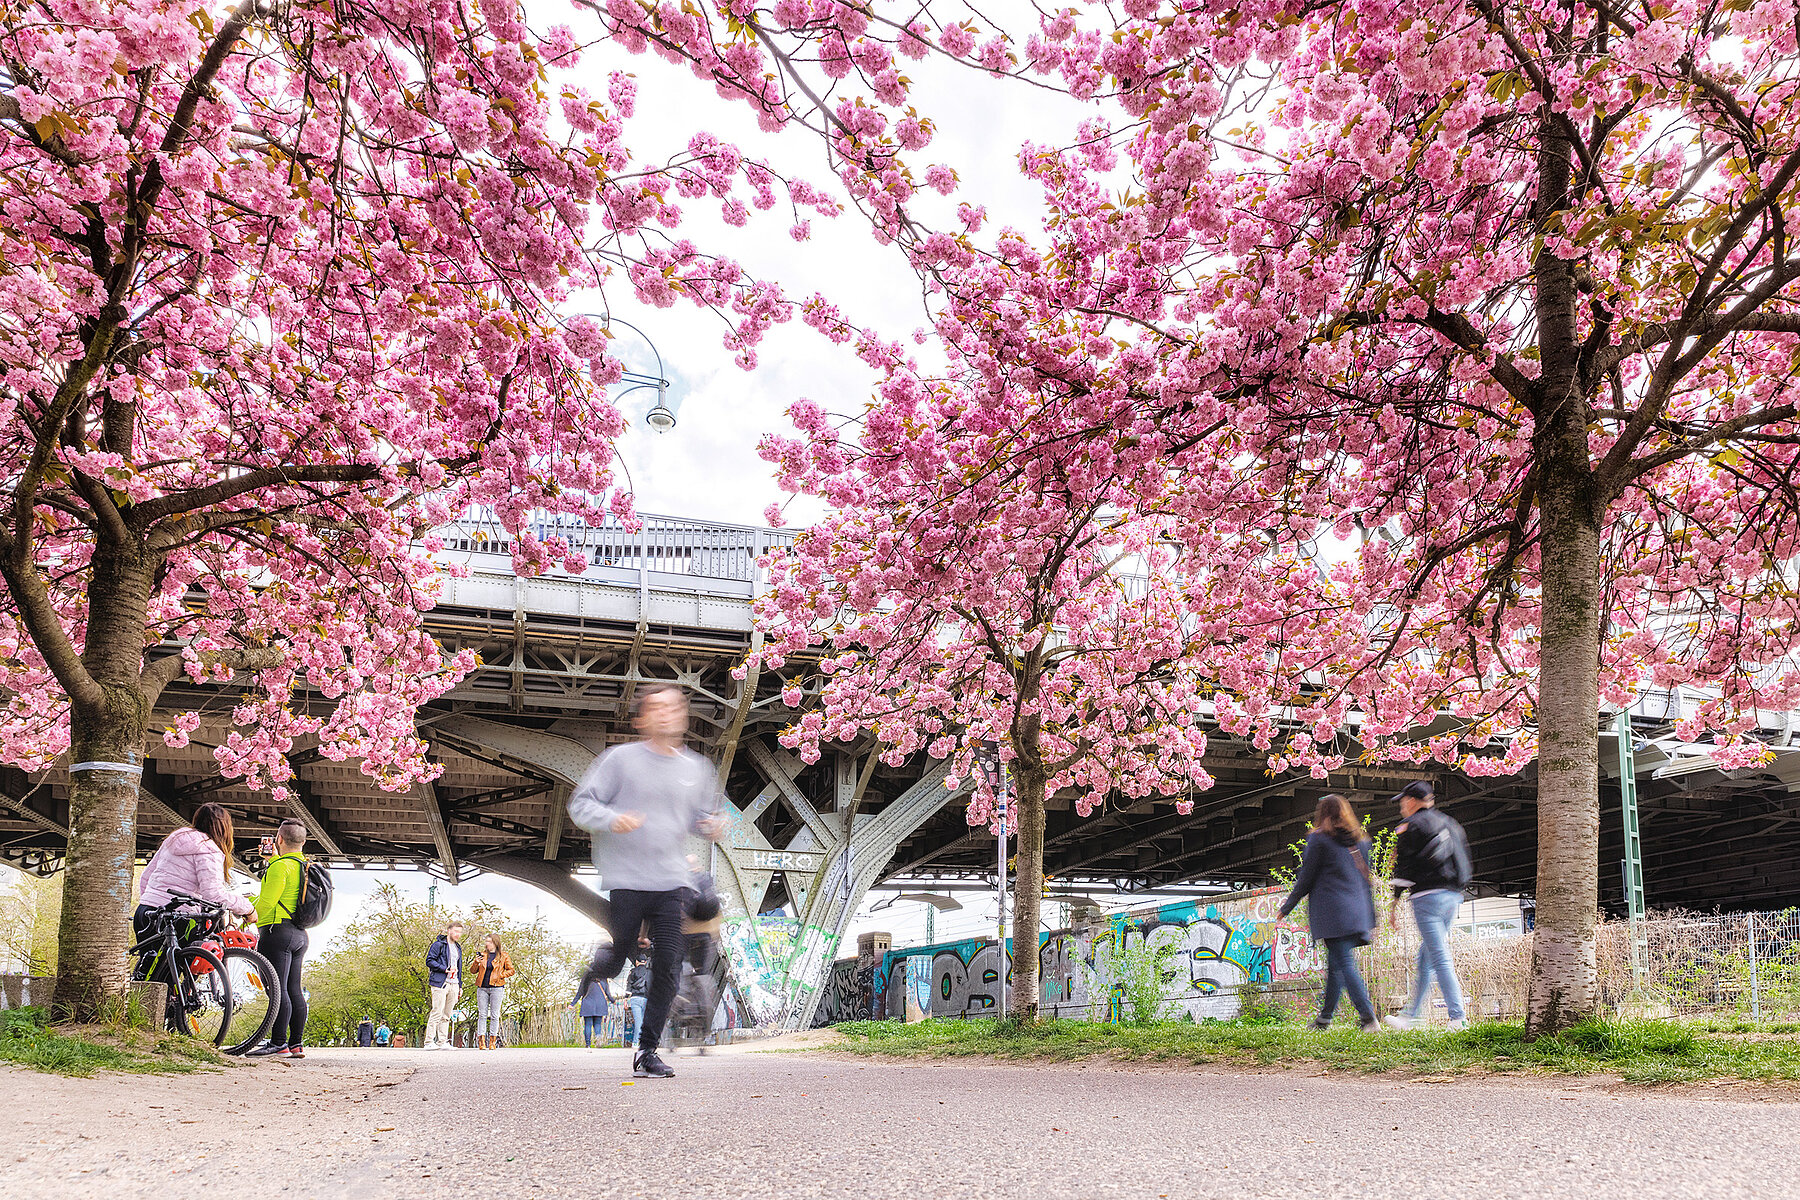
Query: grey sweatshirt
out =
(673, 792)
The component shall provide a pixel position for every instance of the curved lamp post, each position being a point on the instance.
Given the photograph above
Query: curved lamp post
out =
(660, 417)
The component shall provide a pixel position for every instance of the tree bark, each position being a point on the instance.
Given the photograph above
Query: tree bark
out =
(1028, 892)
(97, 899)
(1563, 989)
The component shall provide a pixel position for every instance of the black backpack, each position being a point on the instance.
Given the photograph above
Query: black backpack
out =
(315, 895)
(1448, 851)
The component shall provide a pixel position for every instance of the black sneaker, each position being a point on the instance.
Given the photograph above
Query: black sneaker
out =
(266, 1050)
(646, 1065)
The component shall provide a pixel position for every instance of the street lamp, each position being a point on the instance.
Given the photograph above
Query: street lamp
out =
(987, 760)
(660, 417)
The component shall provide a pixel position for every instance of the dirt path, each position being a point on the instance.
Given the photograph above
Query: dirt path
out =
(362, 1124)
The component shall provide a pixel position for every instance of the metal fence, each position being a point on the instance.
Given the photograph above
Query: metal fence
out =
(1743, 964)
(671, 545)
(1740, 965)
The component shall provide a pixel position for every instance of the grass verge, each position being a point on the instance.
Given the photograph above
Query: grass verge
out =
(1640, 1052)
(28, 1040)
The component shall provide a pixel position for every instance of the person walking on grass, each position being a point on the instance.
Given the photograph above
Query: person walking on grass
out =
(1432, 862)
(1334, 874)
(444, 975)
(490, 971)
(641, 801)
(283, 942)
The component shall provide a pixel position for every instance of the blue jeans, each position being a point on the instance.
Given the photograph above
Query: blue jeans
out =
(636, 1005)
(1434, 911)
(590, 1029)
(1341, 975)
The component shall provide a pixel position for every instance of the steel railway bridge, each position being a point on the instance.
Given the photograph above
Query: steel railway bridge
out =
(562, 654)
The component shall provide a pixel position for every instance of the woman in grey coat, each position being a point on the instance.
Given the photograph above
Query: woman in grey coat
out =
(1334, 873)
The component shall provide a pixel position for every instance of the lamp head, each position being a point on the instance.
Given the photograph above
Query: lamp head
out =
(661, 417)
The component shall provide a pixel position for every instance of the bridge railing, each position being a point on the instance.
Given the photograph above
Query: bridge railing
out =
(669, 545)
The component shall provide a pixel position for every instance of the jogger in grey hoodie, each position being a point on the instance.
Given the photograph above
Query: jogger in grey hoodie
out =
(641, 802)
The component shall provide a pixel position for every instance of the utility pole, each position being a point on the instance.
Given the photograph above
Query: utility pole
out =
(1634, 852)
(987, 759)
(431, 899)
(1005, 960)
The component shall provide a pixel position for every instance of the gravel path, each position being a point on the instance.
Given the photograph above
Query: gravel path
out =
(743, 1124)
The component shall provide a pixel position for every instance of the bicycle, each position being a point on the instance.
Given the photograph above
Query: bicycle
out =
(214, 975)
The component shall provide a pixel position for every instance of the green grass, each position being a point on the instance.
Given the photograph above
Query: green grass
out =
(26, 1039)
(1641, 1052)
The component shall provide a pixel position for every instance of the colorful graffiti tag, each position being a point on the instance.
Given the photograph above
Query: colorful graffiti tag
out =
(1218, 947)
(774, 961)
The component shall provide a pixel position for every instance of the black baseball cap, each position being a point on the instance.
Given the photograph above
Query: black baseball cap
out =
(1418, 789)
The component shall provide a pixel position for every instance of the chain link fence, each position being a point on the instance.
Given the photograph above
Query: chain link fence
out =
(1728, 965)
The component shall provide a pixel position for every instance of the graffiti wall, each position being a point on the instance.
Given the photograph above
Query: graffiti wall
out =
(773, 959)
(846, 995)
(1215, 947)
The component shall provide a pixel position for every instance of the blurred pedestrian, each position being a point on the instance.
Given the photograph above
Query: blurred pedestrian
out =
(383, 1035)
(1432, 862)
(637, 990)
(490, 971)
(444, 976)
(641, 802)
(365, 1033)
(594, 1002)
(1335, 878)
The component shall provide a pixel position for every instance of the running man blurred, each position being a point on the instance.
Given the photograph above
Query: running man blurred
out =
(641, 802)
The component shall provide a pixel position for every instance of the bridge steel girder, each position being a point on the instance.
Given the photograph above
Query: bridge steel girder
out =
(440, 830)
(550, 878)
(831, 906)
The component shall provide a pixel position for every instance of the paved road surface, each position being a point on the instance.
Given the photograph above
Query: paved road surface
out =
(360, 1124)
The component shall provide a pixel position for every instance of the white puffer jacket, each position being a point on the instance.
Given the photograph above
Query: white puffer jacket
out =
(189, 861)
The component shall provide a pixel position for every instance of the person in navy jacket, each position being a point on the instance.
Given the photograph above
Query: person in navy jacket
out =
(1334, 876)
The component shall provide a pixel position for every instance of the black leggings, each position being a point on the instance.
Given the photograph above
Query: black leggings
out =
(632, 911)
(284, 945)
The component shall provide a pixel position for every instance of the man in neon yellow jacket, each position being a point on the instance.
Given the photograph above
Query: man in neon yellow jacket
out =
(284, 943)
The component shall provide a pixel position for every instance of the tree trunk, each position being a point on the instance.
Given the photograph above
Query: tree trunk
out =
(97, 899)
(103, 802)
(1028, 892)
(1568, 887)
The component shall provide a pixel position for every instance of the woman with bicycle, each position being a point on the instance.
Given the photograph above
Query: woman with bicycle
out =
(283, 942)
(194, 861)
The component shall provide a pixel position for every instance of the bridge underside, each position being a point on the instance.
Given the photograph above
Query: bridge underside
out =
(1711, 839)
(561, 660)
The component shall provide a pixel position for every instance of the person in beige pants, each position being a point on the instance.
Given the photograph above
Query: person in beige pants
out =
(443, 966)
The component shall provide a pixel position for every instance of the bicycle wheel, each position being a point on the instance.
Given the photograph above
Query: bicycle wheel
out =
(200, 995)
(253, 1004)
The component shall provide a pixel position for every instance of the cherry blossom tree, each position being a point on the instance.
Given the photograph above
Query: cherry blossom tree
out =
(1487, 302)
(1492, 303)
(953, 602)
(1509, 287)
(279, 290)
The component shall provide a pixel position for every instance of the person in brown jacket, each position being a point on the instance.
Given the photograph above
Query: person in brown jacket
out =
(489, 972)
